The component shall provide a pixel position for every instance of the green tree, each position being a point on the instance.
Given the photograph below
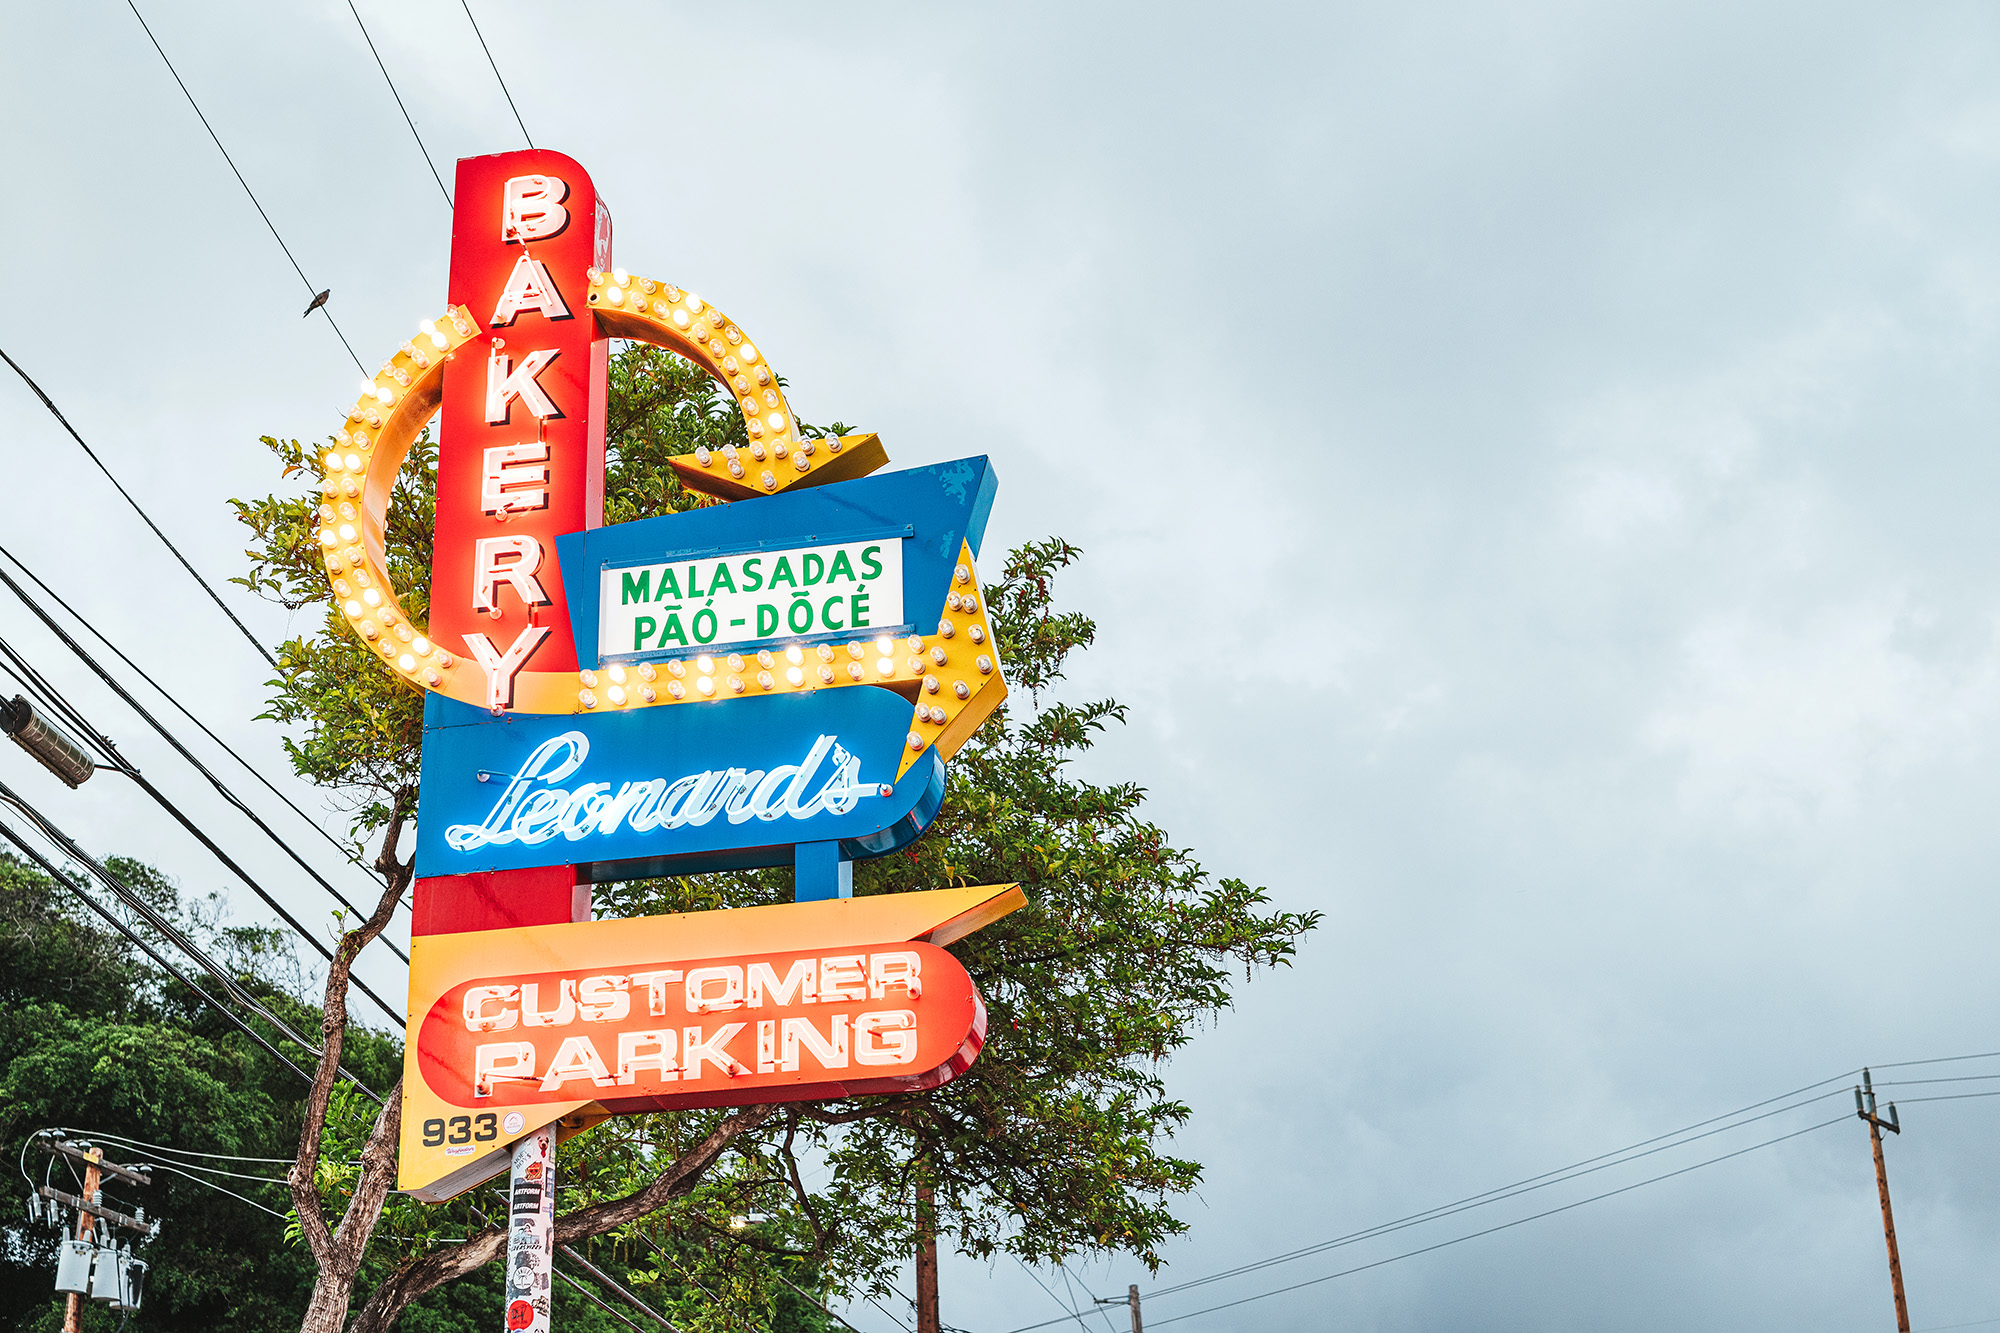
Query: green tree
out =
(1052, 1144)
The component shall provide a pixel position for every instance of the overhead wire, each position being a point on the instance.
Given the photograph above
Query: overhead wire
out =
(125, 1141)
(310, 290)
(1488, 1231)
(153, 918)
(496, 72)
(105, 746)
(1588, 1166)
(1069, 1304)
(399, 102)
(159, 689)
(50, 869)
(119, 486)
(1097, 1305)
(162, 1166)
(83, 655)
(1630, 1153)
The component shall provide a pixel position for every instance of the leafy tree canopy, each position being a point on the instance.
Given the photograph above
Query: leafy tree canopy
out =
(1054, 1143)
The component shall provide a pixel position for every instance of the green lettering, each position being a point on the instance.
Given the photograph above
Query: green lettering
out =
(704, 635)
(694, 586)
(840, 566)
(636, 590)
(673, 631)
(871, 568)
(792, 616)
(767, 620)
(857, 611)
(670, 587)
(723, 581)
(826, 614)
(642, 629)
(813, 566)
(752, 578)
(782, 572)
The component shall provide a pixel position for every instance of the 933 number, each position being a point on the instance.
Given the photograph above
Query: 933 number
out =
(462, 1130)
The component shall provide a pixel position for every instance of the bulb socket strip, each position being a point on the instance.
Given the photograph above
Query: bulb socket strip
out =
(358, 473)
(777, 457)
(954, 678)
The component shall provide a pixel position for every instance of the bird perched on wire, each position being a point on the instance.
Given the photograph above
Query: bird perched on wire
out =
(319, 300)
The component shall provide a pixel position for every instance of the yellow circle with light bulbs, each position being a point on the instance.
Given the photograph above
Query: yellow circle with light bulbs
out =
(360, 475)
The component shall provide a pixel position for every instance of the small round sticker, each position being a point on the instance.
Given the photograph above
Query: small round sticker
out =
(513, 1123)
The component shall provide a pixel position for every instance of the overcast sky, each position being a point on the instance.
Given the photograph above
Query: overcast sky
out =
(1567, 433)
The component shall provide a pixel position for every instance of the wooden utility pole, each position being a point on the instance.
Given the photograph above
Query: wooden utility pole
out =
(86, 1226)
(1864, 1106)
(927, 1275)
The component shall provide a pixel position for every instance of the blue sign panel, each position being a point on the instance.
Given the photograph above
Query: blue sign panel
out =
(669, 790)
(735, 781)
(799, 567)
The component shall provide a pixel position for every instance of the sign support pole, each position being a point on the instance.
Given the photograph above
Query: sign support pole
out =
(531, 1232)
(927, 1263)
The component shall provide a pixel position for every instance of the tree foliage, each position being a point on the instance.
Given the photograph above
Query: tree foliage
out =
(1055, 1141)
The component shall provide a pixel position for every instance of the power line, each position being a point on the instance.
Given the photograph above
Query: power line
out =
(1504, 1226)
(1414, 1218)
(106, 747)
(1588, 1166)
(1681, 1137)
(165, 966)
(85, 657)
(1069, 1305)
(496, 71)
(161, 1147)
(139, 671)
(147, 518)
(320, 306)
(399, 102)
(152, 917)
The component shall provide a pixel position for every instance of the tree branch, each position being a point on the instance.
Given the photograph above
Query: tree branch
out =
(337, 1254)
(387, 1301)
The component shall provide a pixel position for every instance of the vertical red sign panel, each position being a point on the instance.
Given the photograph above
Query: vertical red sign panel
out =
(520, 460)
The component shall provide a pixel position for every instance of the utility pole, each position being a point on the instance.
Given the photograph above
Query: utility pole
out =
(110, 1276)
(927, 1272)
(86, 1226)
(1864, 1106)
(1132, 1300)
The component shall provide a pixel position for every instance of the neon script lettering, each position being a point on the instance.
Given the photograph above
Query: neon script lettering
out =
(533, 809)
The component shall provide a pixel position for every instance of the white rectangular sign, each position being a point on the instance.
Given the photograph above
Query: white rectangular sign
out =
(726, 601)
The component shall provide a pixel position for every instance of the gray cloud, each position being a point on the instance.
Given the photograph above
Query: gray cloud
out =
(1535, 467)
